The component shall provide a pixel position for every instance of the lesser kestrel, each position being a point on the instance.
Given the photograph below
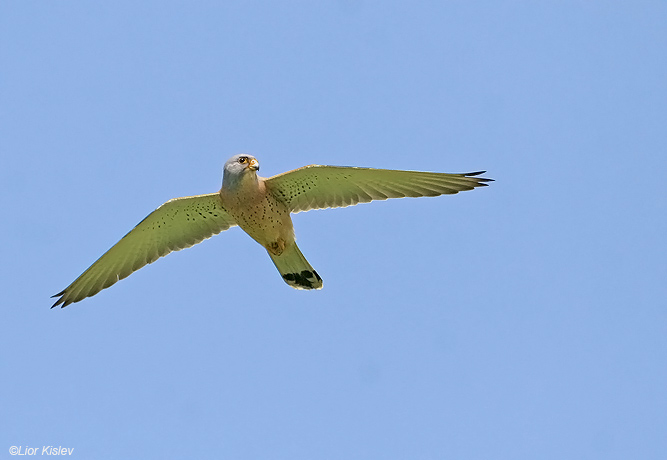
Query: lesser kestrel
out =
(261, 207)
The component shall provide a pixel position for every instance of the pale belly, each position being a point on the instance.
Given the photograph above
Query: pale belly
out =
(266, 220)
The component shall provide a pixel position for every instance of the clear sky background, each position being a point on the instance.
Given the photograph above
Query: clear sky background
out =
(525, 320)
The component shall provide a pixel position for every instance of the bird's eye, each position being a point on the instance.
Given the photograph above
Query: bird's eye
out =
(243, 160)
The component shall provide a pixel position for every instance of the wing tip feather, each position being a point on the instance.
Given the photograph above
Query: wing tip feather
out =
(61, 299)
(477, 173)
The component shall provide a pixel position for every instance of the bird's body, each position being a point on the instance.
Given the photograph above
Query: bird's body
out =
(260, 214)
(262, 208)
(264, 216)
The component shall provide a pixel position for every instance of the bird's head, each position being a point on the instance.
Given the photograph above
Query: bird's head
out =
(238, 167)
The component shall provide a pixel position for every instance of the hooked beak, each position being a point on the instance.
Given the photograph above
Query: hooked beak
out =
(253, 165)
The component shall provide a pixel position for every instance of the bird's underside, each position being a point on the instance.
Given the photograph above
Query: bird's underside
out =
(183, 222)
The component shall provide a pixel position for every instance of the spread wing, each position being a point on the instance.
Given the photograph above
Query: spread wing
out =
(317, 187)
(177, 224)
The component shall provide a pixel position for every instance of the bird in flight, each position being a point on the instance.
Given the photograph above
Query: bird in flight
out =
(261, 207)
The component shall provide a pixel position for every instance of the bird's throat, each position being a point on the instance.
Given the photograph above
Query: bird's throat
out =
(240, 183)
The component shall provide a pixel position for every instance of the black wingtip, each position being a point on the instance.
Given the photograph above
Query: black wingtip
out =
(480, 180)
(477, 173)
(59, 301)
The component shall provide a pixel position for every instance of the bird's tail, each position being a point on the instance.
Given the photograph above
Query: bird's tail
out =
(295, 269)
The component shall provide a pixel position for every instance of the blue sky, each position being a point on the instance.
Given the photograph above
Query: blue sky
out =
(524, 320)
